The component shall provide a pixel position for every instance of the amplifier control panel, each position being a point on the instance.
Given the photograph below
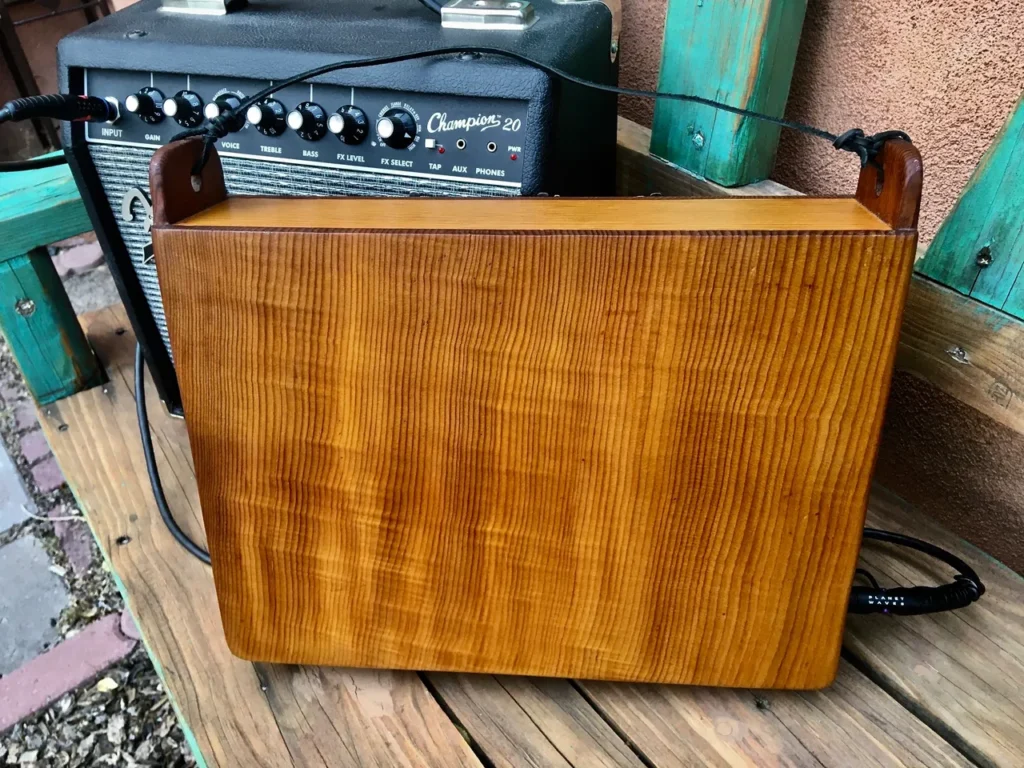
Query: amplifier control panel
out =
(371, 130)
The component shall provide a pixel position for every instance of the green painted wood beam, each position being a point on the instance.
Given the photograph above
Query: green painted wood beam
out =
(42, 330)
(38, 208)
(740, 52)
(979, 249)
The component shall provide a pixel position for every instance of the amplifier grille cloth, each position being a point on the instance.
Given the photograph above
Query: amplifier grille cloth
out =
(124, 168)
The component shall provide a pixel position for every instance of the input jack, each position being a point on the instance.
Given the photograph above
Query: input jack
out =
(460, 144)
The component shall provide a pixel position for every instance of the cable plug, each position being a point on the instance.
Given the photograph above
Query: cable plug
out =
(60, 106)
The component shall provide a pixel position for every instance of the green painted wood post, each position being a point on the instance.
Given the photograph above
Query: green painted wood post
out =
(979, 249)
(36, 317)
(41, 327)
(741, 52)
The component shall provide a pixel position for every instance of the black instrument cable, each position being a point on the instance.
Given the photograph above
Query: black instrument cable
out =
(908, 601)
(154, 474)
(53, 106)
(966, 586)
(36, 163)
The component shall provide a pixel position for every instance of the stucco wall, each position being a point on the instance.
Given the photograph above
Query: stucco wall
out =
(946, 71)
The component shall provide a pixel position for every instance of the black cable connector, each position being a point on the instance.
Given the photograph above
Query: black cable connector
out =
(60, 106)
(911, 601)
(154, 475)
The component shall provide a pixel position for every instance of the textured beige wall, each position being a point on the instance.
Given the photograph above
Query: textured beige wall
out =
(948, 72)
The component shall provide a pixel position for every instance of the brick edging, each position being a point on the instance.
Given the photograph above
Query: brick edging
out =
(63, 668)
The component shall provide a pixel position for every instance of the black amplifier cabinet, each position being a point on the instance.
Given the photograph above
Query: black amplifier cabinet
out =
(460, 125)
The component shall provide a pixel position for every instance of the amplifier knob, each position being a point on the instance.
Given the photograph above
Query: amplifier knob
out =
(309, 121)
(268, 116)
(146, 104)
(349, 124)
(186, 107)
(225, 103)
(397, 128)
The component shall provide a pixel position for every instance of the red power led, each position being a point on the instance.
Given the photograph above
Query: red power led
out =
(513, 156)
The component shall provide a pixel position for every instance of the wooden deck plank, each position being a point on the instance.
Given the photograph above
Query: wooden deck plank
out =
(852, 723)
(960, 672)
(388, 718)
(220, 697)
(524, 721)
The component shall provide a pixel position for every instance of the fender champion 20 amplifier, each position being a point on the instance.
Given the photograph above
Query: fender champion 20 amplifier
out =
(461, 125)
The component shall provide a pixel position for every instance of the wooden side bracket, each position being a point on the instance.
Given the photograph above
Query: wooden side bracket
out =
(178, 194)
(890, 187)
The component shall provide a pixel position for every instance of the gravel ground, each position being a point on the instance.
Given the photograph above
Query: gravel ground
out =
(124, 718)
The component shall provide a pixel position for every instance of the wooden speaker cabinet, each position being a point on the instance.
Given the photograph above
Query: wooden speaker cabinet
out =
(624, 439)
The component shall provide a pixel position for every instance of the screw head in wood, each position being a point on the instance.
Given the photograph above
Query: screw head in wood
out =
(983, 257)
(24, 307)
(959, 355)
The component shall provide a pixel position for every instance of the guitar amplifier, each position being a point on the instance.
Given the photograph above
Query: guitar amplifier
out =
(457, 125)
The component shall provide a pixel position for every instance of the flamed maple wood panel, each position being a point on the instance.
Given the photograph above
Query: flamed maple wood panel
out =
(770, 214)
(234, 715)
(610, 456)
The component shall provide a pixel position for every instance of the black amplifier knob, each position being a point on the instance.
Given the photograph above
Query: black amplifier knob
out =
(397, 128)
(225, 103)
(268, 116)
(309, 121)
(146, 104)
(349, 124)
(186, 107)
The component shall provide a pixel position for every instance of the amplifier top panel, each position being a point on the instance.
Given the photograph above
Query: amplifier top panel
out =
(277, 38)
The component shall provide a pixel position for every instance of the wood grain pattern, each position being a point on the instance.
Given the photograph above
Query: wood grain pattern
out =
(638, 173)
(532, 721)
(563, 455)
(970, 351)
(989, 214)
(386, 718)
(959, 672)
(38, 208)
(46, 339)
(850, 724)
(742, 53)
(176, 192)
(389, 717)
(537, 214)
